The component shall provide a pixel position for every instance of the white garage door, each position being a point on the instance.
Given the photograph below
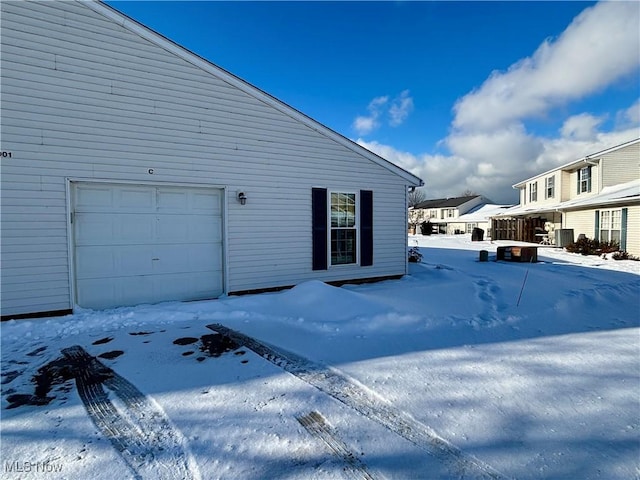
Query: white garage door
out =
(146, 244)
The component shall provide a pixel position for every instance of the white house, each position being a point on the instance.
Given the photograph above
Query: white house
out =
(134, 171)
(478, 217)
(597, 196)
(444, 213)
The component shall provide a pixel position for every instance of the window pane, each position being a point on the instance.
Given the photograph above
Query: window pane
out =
(550, 187)
(616, 216)
(604, 235)
(604, 220)
(343, 247)
(343, 210)
(615, 236)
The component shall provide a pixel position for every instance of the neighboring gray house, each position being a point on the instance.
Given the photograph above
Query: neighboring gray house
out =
(134, 171)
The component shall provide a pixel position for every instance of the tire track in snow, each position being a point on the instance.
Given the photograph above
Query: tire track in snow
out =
(316, 425)
(360, 398)
(139, 430)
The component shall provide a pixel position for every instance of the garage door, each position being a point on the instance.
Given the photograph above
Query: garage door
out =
(146, 244)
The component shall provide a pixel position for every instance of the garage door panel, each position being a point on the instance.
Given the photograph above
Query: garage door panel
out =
(101, 293)
(209, 229)
(174, 228)
(92, 262)
(196, 258)
(190, 229)
(206, 202)
(135, 228)
(190, 286)
(92, 196)
(147, 244)
(94, 229)
(135, 199)
(172, 201)
(114, 229)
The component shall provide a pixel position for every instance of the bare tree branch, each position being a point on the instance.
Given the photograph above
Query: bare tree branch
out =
(416, 196)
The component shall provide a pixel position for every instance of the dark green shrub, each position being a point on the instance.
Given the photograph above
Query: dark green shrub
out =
(590, 246)
(414, 255)
(622, 255)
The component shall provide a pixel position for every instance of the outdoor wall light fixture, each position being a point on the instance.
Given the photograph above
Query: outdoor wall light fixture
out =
(242, 198)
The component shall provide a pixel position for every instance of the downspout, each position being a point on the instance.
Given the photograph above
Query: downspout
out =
(406, 226)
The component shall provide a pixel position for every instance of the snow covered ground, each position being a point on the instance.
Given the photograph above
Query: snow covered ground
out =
(462, 369)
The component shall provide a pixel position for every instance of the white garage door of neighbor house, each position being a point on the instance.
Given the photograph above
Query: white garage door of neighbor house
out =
(138, 244)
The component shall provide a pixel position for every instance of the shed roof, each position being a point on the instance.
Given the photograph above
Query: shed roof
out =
(200, 62)
(445, 202)
(482, 213)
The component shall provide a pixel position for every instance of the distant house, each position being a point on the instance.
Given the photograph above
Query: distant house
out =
(597, 196)
(134, 171)
(478, 217)
(444, 213)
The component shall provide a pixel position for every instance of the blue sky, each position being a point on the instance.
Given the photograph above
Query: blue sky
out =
(467, 95)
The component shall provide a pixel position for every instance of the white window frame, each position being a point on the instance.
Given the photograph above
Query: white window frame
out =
(355, 227)
(610, 223)
(470, 227)
(584, 180)
(533, 192)
(550, 187)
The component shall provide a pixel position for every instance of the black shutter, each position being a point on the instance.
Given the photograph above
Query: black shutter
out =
(319, 228)
(366, 228)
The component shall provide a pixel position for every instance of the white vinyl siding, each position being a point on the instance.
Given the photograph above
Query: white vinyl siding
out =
(582, 222)
(633, 230)
(87, 99)
(621, 166)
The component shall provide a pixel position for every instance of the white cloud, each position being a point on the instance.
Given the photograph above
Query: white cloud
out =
(400, 109)
(581, 127)
(489, 144)
(599, 47)
(366, 124)
(629, 116)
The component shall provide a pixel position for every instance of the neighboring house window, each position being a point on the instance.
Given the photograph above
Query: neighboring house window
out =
(433, 213)
(451, 212)
(610, 225)
(471, 226)
(584, 180)
(550, 187)
(533, 191)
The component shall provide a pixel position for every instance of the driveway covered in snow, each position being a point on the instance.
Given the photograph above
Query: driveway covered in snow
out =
(463, 369)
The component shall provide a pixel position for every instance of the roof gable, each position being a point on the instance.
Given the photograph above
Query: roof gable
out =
(200, 62)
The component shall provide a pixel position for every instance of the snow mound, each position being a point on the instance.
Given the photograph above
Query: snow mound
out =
(321, 302)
